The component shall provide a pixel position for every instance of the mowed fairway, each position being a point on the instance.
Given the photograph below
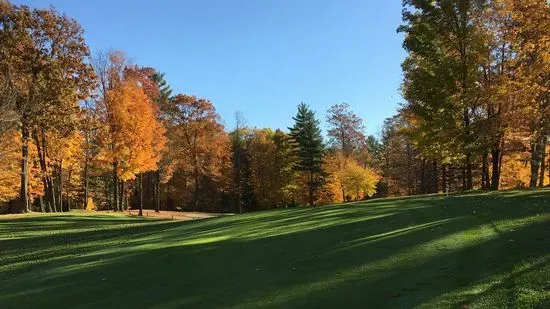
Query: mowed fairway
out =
(473, 251)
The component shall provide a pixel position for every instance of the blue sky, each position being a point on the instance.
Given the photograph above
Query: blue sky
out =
(261, 57)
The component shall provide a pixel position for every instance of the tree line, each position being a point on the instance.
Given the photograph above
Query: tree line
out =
(477, 90)
(99, 132)
(82, 131)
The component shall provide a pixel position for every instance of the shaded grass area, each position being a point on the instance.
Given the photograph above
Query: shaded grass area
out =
(487, 250)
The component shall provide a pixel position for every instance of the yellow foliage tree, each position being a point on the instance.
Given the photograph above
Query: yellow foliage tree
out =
(348, 179)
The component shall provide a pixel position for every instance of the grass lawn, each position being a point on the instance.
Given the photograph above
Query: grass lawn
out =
(472, 251)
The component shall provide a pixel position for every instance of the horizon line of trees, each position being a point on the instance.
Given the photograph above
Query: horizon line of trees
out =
(98, 132)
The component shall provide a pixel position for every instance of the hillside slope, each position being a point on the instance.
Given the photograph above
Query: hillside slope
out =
(473, 251)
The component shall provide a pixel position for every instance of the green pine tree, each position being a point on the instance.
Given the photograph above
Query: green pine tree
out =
(309, 148)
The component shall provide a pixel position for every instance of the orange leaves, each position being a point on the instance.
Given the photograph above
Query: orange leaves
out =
(9, 165)
(133, 137)
(199, 148)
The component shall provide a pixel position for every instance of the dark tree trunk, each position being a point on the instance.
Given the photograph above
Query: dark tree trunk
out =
(157, 191)
(42, 208)
(542, 161)
(115, 185)
(410, 170)
(68, 193)
(311, 189)
(469, 177)
(140, 194)
(535, 162)
(463, 176)
(86, 181)
(169, 202)
(53, 194)
(46, 178)
(485, 182)
(122, 195)
(444, 181)
(108, 194)
(423, 177)
(197, 187)
(23, 193)
(435, 179)
(59, 173)
(496, 156)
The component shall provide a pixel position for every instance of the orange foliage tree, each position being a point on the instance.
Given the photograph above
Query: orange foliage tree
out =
(200, 148)
(133, 138)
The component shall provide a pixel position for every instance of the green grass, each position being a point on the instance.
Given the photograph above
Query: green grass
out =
(472, 251)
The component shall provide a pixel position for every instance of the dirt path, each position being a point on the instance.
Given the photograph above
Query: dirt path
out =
(176, 215)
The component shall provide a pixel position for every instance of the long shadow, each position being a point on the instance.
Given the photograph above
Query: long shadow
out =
(345, 263)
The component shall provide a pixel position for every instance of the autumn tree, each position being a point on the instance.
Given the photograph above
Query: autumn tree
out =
(359, 181)
(134, 138)
(345, 130)
(271, 165)
(346, 136)
(529, 27)
(44, 72)
(243, 192)
(446, 49)
(202, 147)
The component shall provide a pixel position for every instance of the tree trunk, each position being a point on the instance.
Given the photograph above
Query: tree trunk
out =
(496, 156)
(86, 180)
(53, 194)
(410, 172)
(115, 185)
(157, 191)
(169, 203)
(542, 161)
(444, 185)
(42, 208)
(535, 162)
(311, 189)
(107, 194)
(467, 182)
(24, 194)
(343, 195)
(435, 180)
(469, 177)
(196, 194)
(68, 193)
(46, 178)
(122, 195)
(140, 194)
(463, 176)
(485, 183)
(59, 170)
(423, 177)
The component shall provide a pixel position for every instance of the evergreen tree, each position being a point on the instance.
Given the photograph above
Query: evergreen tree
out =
(309, 148)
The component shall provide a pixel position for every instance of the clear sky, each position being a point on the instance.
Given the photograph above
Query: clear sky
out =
(261, 57)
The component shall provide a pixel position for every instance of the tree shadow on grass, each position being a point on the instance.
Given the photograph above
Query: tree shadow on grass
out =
(404, 256)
